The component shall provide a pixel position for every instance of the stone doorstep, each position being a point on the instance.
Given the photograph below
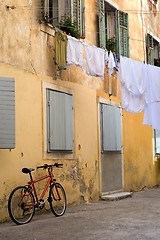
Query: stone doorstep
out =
(116, 196)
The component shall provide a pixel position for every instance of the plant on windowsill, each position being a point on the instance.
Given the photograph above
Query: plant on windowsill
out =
(111, 44)
(68, 26)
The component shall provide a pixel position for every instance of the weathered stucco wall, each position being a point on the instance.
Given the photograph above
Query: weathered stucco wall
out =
(26, 53)
(79, 175)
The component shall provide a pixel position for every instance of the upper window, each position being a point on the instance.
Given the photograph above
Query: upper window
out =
(7, 113)
(153, 6)
(59, 121)
(55, 9)
(113, 29)
(152, 50)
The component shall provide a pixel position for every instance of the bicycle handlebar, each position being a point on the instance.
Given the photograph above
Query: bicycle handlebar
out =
(45, 166)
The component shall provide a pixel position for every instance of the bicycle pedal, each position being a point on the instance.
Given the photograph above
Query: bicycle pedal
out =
(49, 199)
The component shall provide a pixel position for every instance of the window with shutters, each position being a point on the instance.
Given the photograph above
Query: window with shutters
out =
(7, 113)
(55, 9)
(111, 140)
(153, 51)
(113, 23)
(153, 6)
(157, 141)
(59, 121)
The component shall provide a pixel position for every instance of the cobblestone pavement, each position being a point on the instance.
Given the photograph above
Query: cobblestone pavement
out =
(132, 218)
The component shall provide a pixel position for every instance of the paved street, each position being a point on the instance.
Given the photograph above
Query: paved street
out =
(132, 218)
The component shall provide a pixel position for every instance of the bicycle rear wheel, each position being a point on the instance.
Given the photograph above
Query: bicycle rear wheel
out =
(57, 200)
(21, 205)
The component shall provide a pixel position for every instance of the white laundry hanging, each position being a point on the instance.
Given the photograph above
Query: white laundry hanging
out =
(111, 64)
(132, 75)
(95, 60)
(152, 103)
(140, 84)
(74, 52)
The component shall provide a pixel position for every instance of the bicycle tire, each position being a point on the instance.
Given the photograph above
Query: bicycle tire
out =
(21, 214)
(58, 206)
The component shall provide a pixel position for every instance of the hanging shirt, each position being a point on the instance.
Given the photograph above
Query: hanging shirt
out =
(60, 50)
(74, 52)
(111, 64)
(94, 61)
(132, 75)
(152, 100)
(130, 102)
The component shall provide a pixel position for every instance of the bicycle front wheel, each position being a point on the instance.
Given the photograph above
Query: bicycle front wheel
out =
(57, 200)
(21, 205)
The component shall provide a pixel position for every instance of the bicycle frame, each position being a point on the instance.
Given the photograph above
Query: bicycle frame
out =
(31, 184)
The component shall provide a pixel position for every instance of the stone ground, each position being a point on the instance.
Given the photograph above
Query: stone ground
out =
(132, 218)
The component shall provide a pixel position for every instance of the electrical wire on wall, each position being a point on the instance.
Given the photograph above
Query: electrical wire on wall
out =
(129, 11)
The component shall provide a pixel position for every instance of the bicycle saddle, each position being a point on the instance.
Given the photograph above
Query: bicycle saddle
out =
(27, 170)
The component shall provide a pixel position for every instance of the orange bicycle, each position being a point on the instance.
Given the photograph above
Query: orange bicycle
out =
(23, 199)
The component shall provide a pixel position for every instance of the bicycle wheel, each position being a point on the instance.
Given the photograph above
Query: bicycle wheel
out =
(21, 205)
(57, 200)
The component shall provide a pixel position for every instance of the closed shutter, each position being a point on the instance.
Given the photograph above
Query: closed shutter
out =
(111, 128)
(102, 35)
(60, 121)
(150, 50)
(7, 113)
(157, 141)
(78, 13)
(122, 34)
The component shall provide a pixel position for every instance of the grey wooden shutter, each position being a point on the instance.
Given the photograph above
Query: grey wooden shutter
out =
(150, 50)
(157, 141)
(60, 121)
(102, 34)
(111, 128)
(7, 113)
(78, 14)
(122, 34)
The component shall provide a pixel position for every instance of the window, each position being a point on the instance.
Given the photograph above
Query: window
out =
(111, 128)
(153, 6)
(60, 121)
(113, 23)
(7, 113)
(157, 141)
(152, 50)
(55, 9)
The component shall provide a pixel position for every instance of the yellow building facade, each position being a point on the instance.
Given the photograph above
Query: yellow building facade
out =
(27, 51)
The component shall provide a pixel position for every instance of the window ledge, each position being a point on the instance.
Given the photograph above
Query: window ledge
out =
(47, 28)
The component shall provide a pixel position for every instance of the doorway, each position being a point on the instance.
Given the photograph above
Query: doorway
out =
(111, 148)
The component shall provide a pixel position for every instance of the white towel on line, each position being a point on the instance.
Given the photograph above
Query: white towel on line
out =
(74, 52)
(95, 58)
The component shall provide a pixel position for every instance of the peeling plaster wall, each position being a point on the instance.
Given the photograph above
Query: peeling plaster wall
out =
(79, 175)
(26, 53)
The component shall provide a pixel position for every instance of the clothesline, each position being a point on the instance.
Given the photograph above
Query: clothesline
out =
(96, 58)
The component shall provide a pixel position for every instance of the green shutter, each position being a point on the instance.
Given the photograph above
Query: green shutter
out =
(150, 50)
(78, 14)
(102, 35)
(122, 34)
